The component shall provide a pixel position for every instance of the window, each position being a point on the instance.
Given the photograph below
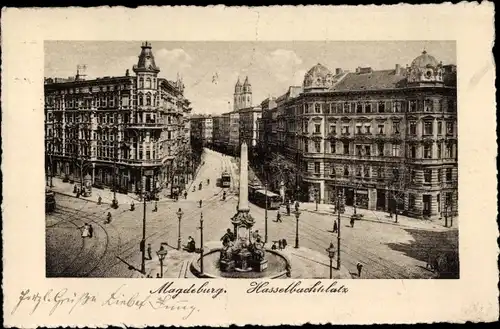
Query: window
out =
(427, 175)
(339, 107)
(448, 174)
(359, 108)
(396, 107)
(316, 167)
(346, 148)
(317, 108)
(317, 128)
(451, 106)
(141, 83)
(358, 129)
(413, 176)
(148, 83)
(380, 172)
(359, 150)
(367, 150)
(448, 150)
(428, 128)
(333, 129)
(412, 106)
(306, 147)
(332, 108)
(333, 171)
(140, 99)
(346, 108)
(333, 147)
(413, 128)
(395, 150)
(148, 99)
(412, 152)
(439, 174)
(427, 151)
(449, 128)
(346, 171)
(395, 127)
(440, 128)
(428, 105)
(345, 130)
(366, 172)
(411, 201)
(380, 148)
(368, 108)
(381, 129)
(439, 150)
(317, 147)
(367, 129)
(358, 171)
(381, 107)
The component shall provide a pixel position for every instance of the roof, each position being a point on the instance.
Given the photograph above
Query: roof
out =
(384, 79)
(318, 69)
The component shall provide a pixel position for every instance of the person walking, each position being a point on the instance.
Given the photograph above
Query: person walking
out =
(185, 194)
(280, 245)
(156, 207)
(149, 251)
(335, 226)
(288, 209)
(274, 246)
(108, 219)
(85, 230)
(91, 231)
(201, 203)
(352, 221)
(296, 205)
(132, 206)
(359, 266)
(99, 200)
(284, 243)
(278, 217)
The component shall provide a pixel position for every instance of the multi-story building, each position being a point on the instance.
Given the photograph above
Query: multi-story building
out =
(226, 129)
(234, 132)
(248, 125)
(380, 137)
(217, 122)
(129, 132)
(202, 129)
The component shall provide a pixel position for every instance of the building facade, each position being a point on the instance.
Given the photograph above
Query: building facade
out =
(248, 125)
(129, 132)
(382, 138)
(202, 129)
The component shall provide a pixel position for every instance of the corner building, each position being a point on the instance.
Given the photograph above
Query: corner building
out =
(379, 137)
(131, 132)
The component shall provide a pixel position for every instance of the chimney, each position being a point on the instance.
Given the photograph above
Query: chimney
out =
(338, 71)
(358, 69)
(398, 69)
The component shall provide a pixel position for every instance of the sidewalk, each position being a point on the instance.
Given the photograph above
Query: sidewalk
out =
(106, 194)
(380, 217)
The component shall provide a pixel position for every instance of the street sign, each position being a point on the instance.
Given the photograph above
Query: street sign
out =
(148, 172)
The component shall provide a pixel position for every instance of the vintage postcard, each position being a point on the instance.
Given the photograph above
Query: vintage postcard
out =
(215, 166)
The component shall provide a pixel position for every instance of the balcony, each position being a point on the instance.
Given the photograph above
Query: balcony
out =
(145, 125)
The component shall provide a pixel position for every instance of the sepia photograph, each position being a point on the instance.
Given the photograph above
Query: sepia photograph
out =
(313, 160)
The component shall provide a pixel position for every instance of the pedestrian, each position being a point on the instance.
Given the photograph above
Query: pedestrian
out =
(157, 275)
(359, 266)
(75, 189)
(156, 207)
(335, 227)
(201, 202)
(280, 245)
(274, 246)
(149, 251)
(91, 231)
(296, 205)
(108, 219)
(255, 235)
(288, 209)
(99, 200)
(224, 196)
(278, 217)
(284, 243)
(352, 221)
(185, 194)
(85, 230)
(132, 206)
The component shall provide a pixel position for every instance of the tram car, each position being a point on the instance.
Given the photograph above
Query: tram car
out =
(225, 180)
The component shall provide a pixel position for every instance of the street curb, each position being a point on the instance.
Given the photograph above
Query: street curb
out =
(379, 221)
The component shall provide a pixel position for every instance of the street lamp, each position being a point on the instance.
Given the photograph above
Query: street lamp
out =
(161, 256)
(179, 215)
(316, 198)
(297, 215)
(331, 254)
(201, 243)
(339, 206)
(115, 202)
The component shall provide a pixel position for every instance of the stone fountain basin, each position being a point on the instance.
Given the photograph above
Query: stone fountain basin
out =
(276, 267)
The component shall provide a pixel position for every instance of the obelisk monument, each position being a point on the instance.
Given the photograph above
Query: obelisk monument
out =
(243, 217)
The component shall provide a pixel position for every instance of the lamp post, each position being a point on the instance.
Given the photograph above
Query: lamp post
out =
(179, 215)
(339, 203)
(201, 243)
(115, 202)
(331, 254)
(265, 217)
(161, 256)
(316, 198)
(297, 215)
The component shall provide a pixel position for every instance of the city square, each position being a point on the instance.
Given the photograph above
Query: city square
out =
(348, 174)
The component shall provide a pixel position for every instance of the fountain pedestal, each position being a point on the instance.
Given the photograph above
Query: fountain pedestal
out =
(261, 266)
(243, 260)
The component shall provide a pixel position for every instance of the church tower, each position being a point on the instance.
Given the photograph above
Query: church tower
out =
(238, 89)
(246, 94)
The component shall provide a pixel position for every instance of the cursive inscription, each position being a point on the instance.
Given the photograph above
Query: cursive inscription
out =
(204, 288)
(296, 287)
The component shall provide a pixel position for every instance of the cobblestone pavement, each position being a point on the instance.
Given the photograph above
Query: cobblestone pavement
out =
(386, 251)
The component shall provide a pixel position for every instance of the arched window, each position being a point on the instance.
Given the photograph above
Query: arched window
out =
(148, 83)
(148, 99)
(140, 99)
(141, 83)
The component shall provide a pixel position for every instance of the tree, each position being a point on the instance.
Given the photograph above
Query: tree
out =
(398, 184)
(283, 170)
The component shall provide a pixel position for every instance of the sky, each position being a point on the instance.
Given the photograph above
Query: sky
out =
(211, 69)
